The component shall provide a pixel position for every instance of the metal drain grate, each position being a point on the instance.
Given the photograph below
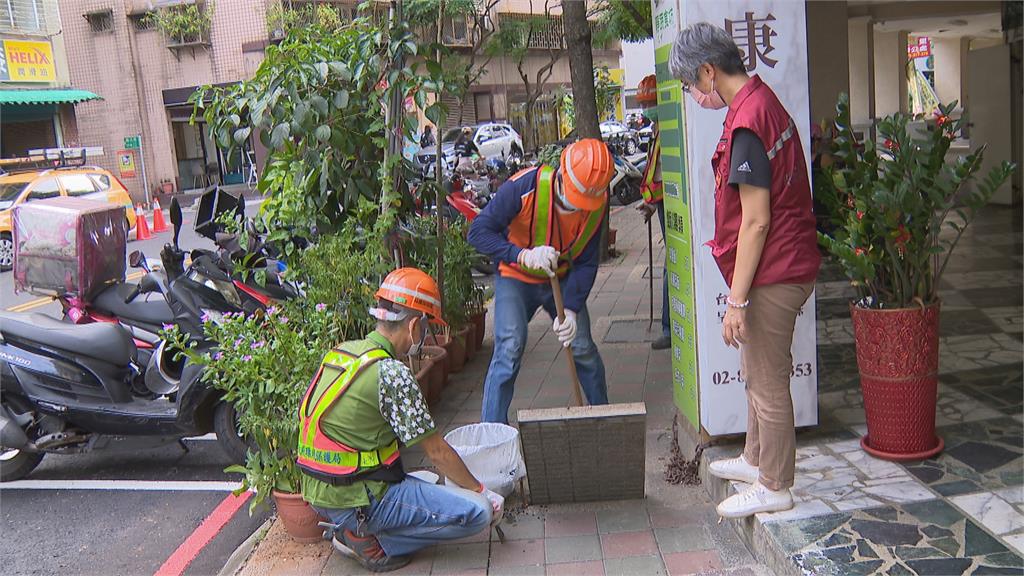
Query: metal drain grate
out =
(632, 331)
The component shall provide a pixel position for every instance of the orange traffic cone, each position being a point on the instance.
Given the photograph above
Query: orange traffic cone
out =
(158, 218)
(141, 226)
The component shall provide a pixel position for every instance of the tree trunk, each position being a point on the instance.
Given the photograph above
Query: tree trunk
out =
(581, 67)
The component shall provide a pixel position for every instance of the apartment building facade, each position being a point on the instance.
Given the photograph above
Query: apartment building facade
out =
(37, 104)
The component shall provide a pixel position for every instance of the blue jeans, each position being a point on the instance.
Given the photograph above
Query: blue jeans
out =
(414, 514)
(666, 317)
(515, 303)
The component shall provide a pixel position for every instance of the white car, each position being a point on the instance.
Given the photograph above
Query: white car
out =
(622, 139)
(493, 139)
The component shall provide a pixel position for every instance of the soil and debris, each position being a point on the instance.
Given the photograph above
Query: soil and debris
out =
(679, 469)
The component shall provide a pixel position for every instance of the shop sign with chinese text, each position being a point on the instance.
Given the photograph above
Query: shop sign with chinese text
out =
(27, 61)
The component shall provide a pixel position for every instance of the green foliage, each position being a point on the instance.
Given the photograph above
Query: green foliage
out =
(461, 299)
(550, 155)
(628, 20)
(284, 19)
(891, 206)
(183, 23)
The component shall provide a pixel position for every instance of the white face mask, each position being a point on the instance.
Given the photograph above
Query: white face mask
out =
(562, 200)
(417, 347)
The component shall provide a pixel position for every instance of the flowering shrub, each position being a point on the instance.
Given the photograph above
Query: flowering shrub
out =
(889, 206)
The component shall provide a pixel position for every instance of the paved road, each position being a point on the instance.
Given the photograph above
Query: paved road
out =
(146, 504)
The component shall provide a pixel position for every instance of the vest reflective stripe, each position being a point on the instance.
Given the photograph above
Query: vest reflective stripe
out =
(781, 140)
(649, 189)
(543, 225)
(318, 452)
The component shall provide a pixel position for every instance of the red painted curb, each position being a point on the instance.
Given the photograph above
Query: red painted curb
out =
(201, 536)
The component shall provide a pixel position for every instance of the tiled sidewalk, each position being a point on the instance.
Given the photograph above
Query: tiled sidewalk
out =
(960, 513)
(674, 531)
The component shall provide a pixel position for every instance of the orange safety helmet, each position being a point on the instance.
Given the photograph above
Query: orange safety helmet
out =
(647, 91)
(587, 168)
(410, 288)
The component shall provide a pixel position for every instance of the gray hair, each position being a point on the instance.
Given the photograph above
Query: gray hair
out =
(703, 43)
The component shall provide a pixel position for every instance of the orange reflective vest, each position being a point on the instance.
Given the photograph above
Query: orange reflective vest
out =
(329, 460)
(543, 229)
(650, 188)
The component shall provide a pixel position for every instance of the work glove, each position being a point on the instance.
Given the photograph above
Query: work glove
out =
(497, 504)
(565, 331)
(543, 258)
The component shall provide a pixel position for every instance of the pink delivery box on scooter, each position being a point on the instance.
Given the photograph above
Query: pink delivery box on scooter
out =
(68, 246)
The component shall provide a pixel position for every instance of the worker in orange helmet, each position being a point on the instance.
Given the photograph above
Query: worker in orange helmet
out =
(651, 191)
(361, 407)
(544, 222)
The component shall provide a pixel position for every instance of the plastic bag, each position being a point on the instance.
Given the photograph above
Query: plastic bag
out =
(491, 452)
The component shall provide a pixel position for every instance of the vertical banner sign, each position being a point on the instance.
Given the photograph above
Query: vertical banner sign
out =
(772, 37)
(679, 247)
(709, 388)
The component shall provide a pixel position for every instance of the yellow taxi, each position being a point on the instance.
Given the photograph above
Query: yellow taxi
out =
(17, 186)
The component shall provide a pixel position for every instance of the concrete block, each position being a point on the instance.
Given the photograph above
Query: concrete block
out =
(584, 454)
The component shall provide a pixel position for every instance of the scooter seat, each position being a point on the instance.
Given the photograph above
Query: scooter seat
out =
(101, 340)
(154, 312)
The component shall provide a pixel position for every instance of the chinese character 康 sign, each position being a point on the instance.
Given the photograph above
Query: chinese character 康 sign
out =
(754, 38)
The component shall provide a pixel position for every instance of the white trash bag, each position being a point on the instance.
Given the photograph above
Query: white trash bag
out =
(491, 452)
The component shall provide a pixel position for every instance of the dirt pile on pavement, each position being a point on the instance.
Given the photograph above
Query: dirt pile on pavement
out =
(679, 469)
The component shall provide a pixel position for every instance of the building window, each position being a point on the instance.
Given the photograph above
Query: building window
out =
(102, 21)
(142, 21)
(23, 16)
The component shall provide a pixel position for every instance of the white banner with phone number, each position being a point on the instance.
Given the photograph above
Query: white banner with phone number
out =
(772, 34)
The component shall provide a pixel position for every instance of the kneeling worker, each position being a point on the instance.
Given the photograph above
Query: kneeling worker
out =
(540, 223)
(362, 404)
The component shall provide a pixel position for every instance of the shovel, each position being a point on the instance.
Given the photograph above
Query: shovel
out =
(556, 289)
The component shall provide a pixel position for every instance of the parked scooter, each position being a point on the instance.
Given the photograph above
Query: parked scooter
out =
(626, 181)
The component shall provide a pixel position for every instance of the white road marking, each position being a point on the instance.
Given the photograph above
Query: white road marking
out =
(136, 485)
(210, 436)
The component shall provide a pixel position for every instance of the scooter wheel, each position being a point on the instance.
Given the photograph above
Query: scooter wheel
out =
(16, 464)
(231, 441)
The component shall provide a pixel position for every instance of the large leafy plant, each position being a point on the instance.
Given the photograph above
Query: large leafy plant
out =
(890, 205)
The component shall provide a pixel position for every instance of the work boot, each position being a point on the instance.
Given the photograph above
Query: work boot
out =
(367, 551)
(734, 469)
(755, 500)
(664, 342)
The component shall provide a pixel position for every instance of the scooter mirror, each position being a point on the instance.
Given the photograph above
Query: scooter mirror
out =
(136, 259)
(176, 219)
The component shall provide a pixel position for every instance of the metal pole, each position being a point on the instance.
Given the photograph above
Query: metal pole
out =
(650, 270)
(145, 181)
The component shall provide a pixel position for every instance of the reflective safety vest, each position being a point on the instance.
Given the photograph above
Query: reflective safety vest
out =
(544, 227)
(329, 460)
(650, 188)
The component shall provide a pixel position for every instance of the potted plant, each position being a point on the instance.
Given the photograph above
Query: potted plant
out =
(185, 24)
(899, 212)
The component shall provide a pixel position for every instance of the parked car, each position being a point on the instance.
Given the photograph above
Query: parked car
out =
(619, 137)
(34, 183)
(646, 134)
(493, 139)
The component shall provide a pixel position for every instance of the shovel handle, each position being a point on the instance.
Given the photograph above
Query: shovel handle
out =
(556, 290)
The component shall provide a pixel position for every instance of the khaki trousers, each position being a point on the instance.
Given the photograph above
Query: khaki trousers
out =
(767, 362)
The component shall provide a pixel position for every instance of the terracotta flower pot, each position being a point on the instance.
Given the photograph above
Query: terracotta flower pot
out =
(437, 375)
(426, 366)
(468, 337)
(456, 349)
(299, 518)
(480, 322)
(444, 342)
(898, 360)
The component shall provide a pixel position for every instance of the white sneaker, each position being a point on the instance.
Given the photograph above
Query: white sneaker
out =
(755, 500)
(734, 469)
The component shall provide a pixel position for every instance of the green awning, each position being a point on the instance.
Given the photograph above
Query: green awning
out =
(49, 96)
